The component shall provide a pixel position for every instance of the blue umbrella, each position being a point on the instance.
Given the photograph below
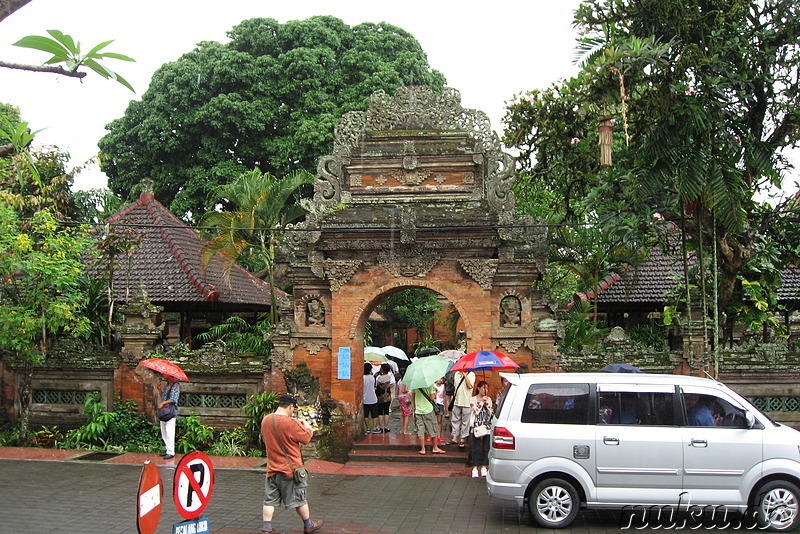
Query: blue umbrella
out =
(620, 368)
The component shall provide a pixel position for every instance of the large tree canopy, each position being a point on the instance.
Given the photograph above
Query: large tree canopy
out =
(268, 99)
(704, 94)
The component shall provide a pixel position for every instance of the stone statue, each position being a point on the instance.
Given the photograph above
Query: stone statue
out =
(315, 313)
(510, 309)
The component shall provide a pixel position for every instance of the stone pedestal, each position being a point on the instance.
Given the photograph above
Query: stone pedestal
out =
(141, 331)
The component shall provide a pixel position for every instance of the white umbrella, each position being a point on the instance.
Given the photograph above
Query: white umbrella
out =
(394, 352)
(452, 355)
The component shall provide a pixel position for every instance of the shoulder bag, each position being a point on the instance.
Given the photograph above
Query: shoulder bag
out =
(169, 410)
(482, 423)
(300, 474)
(436, 408)
(453, 398)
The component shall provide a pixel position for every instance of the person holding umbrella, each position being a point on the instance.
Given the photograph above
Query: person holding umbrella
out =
(420, 377)
(169, 395)
(168, 399)
(422, 405)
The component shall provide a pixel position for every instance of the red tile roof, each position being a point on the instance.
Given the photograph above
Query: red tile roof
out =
(166, 263)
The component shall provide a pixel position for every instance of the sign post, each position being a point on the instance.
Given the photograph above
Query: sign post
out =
(192, 488)
(150, 498)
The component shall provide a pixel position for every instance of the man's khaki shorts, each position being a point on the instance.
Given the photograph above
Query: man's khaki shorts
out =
(281, 489)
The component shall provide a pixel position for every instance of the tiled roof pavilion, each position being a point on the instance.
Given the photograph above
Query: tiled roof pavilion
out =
(647, 286)
(166, 265)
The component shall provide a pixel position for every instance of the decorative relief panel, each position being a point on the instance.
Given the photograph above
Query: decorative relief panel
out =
(408, 262)
(338, 272)
(482, 271)
(310, 310)
(512, 345)
(414, 177)
(313, 346)
(408, 225)
(510, 312)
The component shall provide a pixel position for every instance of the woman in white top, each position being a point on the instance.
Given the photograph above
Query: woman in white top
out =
(370, 400)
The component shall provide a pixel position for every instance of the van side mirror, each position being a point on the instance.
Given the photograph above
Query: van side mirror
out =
(751, 419)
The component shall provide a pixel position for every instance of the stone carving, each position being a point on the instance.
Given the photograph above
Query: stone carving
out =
(510, 312)
(500, 193)
(617, 335)
(315, 313)
(338, 272)
(408, 262)
(313, 346)
(327, 187)
(415, 108)
(408, 225)
(414, 177)
(511, 345)
(482, 271)
(283, 358)
(377, 245)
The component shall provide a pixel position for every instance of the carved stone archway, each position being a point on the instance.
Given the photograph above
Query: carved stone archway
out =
(417, 193)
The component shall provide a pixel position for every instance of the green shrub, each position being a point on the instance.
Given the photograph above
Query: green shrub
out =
(255, 409)
(192, 434)
(231, 442)
(122, 429)
(648, 335)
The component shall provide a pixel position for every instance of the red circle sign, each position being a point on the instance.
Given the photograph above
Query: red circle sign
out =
(193, 484)
(150, 498)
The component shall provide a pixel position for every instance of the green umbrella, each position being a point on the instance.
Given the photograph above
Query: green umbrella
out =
(425, 371)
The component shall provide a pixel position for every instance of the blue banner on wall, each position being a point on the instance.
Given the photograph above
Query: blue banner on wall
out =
(344, 364)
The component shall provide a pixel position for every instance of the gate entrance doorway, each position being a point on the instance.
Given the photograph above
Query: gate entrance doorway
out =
(417, 193)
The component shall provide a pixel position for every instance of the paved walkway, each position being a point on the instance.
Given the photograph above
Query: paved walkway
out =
(68, 496)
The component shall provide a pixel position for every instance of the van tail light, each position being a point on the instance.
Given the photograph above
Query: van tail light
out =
(502, 439)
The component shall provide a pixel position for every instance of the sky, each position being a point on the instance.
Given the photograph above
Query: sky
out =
(489, 52)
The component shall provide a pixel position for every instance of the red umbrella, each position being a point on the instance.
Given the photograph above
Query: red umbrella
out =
(484, 360)
(166, 368)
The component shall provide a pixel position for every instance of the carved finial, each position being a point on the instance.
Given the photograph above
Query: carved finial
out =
(148, 188)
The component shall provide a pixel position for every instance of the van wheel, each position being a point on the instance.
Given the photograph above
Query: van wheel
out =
(778, 505)
(554, 503)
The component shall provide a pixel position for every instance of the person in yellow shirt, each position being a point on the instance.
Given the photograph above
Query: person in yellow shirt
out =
(422, 405)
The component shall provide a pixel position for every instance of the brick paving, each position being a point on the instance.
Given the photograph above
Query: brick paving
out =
(62, 495)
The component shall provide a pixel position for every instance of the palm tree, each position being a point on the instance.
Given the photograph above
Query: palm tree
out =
(256, 208)
(591, 252)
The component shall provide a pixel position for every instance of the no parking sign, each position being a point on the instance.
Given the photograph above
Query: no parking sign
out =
(193, 484)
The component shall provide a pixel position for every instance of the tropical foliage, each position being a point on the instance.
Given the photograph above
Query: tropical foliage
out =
(415, 307)
(253, 211)
(40, 289)
(704, 98)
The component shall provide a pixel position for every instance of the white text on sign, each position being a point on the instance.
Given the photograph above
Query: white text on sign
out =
(199, 526)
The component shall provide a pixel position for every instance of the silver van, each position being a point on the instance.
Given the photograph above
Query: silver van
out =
(563, 441)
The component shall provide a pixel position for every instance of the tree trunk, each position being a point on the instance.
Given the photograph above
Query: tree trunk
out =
(25, 402)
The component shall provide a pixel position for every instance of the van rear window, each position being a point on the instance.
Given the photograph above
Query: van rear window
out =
(566, 404)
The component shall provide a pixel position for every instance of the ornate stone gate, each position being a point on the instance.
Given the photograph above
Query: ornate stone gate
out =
(417, 193)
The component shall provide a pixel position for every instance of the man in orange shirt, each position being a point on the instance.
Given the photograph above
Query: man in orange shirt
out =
(282, 435)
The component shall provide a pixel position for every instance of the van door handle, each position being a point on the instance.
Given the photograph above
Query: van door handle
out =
(698, 443)
(610, 441)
